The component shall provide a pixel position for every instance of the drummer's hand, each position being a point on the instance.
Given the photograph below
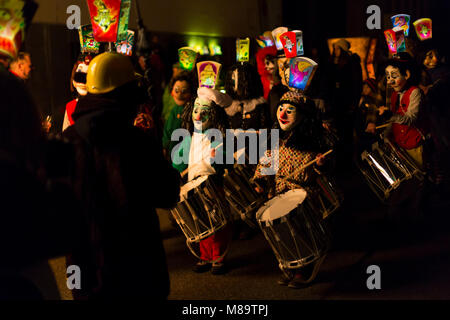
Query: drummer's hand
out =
(326, 126)
(371, 128)
(320, 159)
(381, 110)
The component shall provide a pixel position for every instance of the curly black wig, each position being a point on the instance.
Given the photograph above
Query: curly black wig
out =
(249, 82)
(184, 76)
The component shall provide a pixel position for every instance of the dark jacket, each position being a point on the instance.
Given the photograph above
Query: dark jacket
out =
(120, 177)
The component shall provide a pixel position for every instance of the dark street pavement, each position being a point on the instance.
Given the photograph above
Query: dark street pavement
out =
(414, 260)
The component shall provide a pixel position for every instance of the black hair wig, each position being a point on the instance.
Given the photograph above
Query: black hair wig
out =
(404, 62)
(249, 82)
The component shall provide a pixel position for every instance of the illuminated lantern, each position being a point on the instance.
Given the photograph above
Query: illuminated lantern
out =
(87, 41)
(242, 49)
(105, 19)
(125, 47)
(187, 57)
(12, 27)
(292, 42)
(276, 33)
(208, 73)
(395, 39)
(265, 40)
(301, 72)
(423, 28)
(401, 21)
(123, 33)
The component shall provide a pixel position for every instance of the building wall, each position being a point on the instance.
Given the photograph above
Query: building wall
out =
(230, 18)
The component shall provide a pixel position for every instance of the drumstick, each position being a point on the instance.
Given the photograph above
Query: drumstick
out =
(186, 171)
(382, 126)
(306, 165)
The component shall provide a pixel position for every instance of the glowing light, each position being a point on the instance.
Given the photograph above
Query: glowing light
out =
(105, 19)
(423, 28)
(401, 21)
(12, 27)
(301, 72)
(187, 57)
(208, 72)
(242, 49)
(125, 47)
(87, 41)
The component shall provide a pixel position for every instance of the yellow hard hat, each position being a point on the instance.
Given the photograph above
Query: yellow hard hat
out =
(109, 71)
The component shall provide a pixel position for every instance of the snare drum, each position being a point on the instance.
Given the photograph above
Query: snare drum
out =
(390, 172)
(240, 193)
(201, 211)
(296, 233)
(325, 197)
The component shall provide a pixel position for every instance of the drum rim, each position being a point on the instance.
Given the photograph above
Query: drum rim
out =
(265, 206)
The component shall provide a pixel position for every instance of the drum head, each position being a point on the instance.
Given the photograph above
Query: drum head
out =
(281, 205)
(190, 186)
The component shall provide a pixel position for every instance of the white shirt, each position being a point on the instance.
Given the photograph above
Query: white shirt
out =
(200, 156)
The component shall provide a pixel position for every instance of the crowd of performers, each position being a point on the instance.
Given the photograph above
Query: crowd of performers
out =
(118, 159)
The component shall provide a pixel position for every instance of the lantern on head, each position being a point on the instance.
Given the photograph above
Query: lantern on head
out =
(126, 46)
(87, 42)
(242, 50)
(276, 33)
(401, 21)
(292, 42)
(265, 40)
(123, 34)
(423, 28)
(301, 72)
(208, 73)
(395, 39)
(105, 16)
(12, 27)
(187, 57)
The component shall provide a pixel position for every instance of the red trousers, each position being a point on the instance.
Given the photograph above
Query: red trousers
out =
(213, 247)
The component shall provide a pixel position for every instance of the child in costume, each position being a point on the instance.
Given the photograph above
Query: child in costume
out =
(205, 113)
(182, 89)
(301, 140)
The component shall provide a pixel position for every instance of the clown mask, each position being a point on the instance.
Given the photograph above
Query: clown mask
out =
(395, 79)
(79, 79)
(287, 116)
(431, 59)
(181, 92)
(201, 114)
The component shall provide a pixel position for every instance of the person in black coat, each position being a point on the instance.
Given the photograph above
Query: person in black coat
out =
(120, 177)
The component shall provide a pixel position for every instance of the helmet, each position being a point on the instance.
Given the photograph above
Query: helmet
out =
(109, 71)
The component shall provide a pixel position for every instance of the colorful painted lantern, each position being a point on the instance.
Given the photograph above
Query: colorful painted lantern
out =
(292, 42)
(12, 27)
(395, 39)
(401, 21)
(187, 57)
(126, 46)
(301, 72)
(87, 41)
(265, 40)
(123, 32)
(105, 16)
(423, 28)
(208, 73)
(242, 50)
(276, 33)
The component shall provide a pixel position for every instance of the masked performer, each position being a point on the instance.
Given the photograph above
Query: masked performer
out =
(78, 87)
(301, 141)
(249, 109)
(205, 113)
(182, 88)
